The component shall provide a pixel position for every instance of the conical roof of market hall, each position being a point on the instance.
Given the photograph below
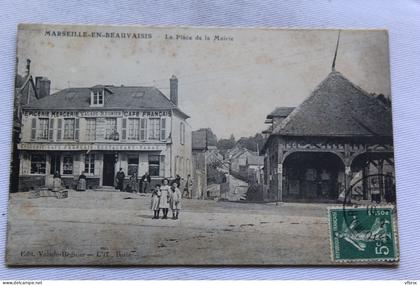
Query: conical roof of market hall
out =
(337, 107)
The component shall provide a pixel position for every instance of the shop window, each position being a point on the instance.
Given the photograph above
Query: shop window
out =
(133, 165)
(111, 129)
(90, 163)
(154, 129)
(154, 165)
(69, 129)
(38, 163)
(133, 129)
(67, 165)
(91, 129)
(42, 130)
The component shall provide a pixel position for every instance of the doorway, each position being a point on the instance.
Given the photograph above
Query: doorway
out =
(108, 170)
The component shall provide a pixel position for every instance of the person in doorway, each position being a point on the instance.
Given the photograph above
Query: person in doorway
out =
(183, 187)
(175, 200)
(132, 185)
(156, 194)
(145, 182)
(164, 198)
(81, 182)
(375, 191)
(120, 179)
(56, 181)
(189, 186)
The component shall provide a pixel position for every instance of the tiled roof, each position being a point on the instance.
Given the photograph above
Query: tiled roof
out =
(338, 108)
(121, 97)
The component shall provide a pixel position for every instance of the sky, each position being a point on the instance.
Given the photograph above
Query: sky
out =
(229, 79)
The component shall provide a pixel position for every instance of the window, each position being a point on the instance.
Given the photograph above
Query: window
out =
(133, 129)
(68, 129)
(38, 163)
(182, 133)
(133, 165)
(68, 165)
(154, 129)
(110, 128)
(97, 98)
(90, 163)
(91, 129)
(154, 165)
(42, 130)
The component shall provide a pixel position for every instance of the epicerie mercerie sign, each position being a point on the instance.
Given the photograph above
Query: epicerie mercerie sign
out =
(92, 147)
(98, 113)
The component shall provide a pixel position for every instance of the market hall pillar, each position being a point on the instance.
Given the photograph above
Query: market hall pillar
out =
(280, 154)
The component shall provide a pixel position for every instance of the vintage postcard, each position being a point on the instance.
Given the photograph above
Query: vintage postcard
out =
(201, 146)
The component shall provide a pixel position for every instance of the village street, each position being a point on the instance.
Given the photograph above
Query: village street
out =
(97, 227)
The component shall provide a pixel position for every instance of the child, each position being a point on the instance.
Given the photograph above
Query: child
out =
(164, 198)
(175, 201)
(155, 201)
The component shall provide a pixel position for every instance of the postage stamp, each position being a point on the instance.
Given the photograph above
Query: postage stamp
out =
(363, 234)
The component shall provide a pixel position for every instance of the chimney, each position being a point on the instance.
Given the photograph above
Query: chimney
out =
(174, 89)
(42, 85)
(28, 66)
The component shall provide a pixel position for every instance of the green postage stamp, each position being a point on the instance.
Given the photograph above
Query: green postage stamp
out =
(363, 234)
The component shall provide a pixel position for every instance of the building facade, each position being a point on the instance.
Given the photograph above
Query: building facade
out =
(100, 129)
(335, 145)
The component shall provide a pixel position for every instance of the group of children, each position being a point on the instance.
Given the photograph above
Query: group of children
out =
(165, 197)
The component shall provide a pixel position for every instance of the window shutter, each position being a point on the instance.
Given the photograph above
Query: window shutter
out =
(162, 166)
(33, 129)
(59, 129)
(76, 129)
(163, 129)
(124, 129)
(143, 129)
(51, 130)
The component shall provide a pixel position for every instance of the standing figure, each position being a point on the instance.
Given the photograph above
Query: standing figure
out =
(175, 200)
(132, 185)
(156, 194)
(81, 182)
(145, 182)
(56, 181)
(120, 179)
(164, 198)
(189, 185)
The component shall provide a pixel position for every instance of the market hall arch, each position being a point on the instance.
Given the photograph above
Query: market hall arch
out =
(312, 177)
(373, 177)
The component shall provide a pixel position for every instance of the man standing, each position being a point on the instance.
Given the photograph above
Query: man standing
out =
(145, 182)
(120, 179)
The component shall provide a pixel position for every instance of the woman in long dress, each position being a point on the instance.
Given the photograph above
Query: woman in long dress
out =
(175, 200)
(155, 201)
(164, 198)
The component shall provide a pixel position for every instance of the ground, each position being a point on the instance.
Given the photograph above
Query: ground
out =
(98, 227)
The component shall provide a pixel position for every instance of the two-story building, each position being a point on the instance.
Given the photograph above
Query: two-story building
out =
(98, 130)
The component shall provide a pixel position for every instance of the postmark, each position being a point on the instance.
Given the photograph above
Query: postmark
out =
(363, 234)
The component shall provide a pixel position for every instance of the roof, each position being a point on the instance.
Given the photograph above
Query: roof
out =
(199, 138)
(280, 112)
(116, 97)
(255, 160)
(338, 108)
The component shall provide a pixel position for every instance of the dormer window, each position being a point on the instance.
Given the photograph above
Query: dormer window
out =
(97, 98)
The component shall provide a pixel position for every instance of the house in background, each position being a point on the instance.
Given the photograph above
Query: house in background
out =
(102, 128)
(338, 133)
(27, 90)
(275, 118)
